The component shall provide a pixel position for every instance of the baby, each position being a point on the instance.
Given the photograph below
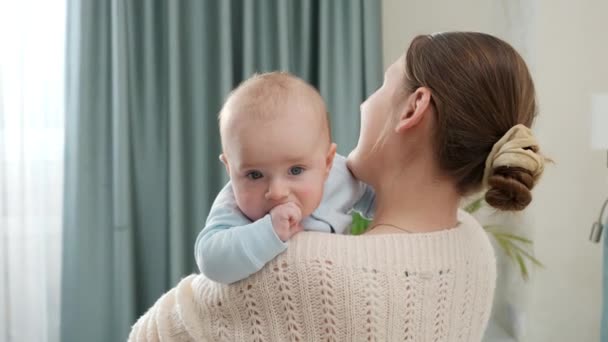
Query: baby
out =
(285, 176)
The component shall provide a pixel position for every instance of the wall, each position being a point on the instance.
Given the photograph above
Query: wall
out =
(565, 46)
(572, 54)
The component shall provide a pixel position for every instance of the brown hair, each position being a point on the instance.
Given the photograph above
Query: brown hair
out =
(480, 88)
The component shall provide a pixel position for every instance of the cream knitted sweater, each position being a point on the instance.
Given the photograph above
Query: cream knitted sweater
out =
(399, 287)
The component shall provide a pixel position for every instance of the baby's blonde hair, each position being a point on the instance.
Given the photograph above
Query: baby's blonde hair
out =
(261, 93)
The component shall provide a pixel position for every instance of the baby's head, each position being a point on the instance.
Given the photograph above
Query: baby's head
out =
(276, 144)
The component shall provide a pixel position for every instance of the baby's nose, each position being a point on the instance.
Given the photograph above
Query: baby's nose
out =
(277, 191)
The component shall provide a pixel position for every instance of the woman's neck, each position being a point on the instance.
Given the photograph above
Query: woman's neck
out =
(415, 203)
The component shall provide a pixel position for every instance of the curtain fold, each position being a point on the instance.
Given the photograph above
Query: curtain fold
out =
(145, 82)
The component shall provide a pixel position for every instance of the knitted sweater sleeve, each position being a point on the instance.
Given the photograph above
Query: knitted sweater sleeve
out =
(174, 317)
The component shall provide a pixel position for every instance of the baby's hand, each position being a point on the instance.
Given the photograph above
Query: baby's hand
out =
(286, 220)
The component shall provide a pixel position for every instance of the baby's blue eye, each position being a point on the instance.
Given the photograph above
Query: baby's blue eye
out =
(254, 175)
(296, 170)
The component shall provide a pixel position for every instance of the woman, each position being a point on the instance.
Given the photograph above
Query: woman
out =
(451, 117)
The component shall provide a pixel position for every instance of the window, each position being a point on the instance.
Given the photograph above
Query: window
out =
(32, 35)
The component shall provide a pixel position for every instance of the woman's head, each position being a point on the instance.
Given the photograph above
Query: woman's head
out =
(453, 96)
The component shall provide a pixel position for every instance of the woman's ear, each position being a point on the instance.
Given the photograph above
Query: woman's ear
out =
(416, 106)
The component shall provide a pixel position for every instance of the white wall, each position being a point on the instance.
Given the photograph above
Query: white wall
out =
(512, 20)
(565, 44)
(572, 62)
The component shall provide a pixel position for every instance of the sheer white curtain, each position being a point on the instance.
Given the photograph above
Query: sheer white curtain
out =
(31, 167)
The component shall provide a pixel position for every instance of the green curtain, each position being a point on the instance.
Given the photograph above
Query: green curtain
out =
(145, 82)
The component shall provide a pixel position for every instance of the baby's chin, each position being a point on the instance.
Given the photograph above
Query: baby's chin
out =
(253, 218)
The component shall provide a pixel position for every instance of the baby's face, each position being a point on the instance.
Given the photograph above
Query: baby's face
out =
(275, 161)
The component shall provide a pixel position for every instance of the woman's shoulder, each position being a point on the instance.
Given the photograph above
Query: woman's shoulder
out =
(467, 240)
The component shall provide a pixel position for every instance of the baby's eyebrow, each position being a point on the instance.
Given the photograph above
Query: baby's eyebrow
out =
(298, 160)
(248, 167)
(289, 161)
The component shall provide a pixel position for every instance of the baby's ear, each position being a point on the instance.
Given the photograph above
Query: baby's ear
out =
(225, 162)
(329, 160)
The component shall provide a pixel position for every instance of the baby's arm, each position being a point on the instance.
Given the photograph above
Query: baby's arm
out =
(231, 247)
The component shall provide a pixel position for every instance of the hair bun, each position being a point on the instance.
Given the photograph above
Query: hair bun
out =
(512, 168)
(509, 188)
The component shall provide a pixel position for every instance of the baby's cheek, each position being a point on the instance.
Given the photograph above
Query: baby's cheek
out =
(250, 204)
(312, 195)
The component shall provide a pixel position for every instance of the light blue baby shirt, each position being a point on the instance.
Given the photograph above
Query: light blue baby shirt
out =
(231, 247)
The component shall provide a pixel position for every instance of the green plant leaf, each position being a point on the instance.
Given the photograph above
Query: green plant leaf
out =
(359, 224)
(509, 244)
(474, 206)
(494, 229)
(515, 237)
(528, 255)
(522, 266)
(504, 244)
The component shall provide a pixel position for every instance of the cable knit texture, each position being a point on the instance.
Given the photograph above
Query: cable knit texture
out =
(398, 287)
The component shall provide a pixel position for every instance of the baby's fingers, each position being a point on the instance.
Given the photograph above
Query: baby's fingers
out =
(295, 212)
